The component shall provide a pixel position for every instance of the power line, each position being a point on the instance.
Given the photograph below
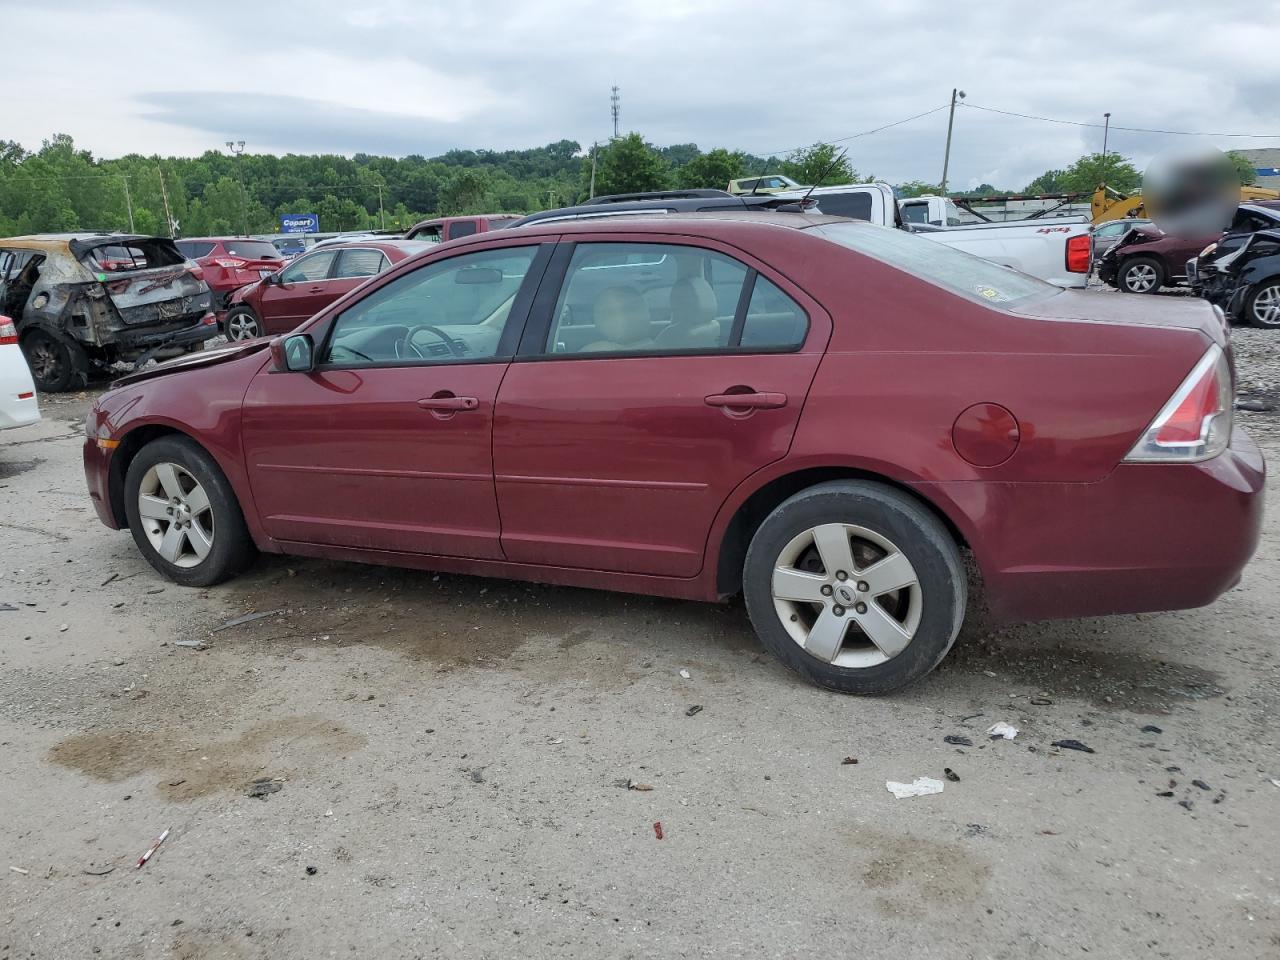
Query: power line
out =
(1099, 126)
(864, 133)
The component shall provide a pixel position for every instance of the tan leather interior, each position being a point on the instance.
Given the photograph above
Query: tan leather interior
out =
(693, 316)
(621, 318)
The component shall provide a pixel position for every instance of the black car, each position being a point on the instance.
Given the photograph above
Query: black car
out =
(665, 201)
(1241, 274)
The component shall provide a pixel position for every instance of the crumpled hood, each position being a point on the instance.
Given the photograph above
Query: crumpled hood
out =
(204, 358)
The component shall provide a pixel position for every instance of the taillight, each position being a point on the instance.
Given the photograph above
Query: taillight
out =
(1196, 422)
(230, 263)
(1078, 253)
(8, 332)
(195, 269)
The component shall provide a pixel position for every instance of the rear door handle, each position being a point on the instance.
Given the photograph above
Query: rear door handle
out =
(449, 403)
(752, 401)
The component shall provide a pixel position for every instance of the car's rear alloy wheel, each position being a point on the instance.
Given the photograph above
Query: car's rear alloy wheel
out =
(183, 514)
(1263, 309)
(856, 586)
(242, 324)
(56, 363)
(1141, 275)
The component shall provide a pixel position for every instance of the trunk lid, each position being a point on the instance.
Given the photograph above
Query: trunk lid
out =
(1091, 306)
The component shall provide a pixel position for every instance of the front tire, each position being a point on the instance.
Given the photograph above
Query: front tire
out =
(855, 586)
(1262, 306)
(1140, 275)
(243, 324)
(183, 514)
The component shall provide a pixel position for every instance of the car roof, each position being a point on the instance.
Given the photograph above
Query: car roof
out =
(407, 247)
(219, 239)
(710, 223)
(62, 242)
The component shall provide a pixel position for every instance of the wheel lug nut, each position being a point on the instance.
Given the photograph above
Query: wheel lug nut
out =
(863, 586)
(838, 611)
(860, 607)
(841, 575)
(826, 589)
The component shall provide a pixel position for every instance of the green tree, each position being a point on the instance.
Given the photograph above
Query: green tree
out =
(1087, 174)
(629, 165)
(819, 165)
(917, 188)
(1245, 169)
(715, 168)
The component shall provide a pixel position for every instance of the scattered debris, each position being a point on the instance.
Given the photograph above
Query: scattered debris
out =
(919, 787)
(191, 644)
(1001, 730)
(957, 741)
(1172, 769)
(477, 774)
(155, 590)
(1041, 702)
(153, 848)
(177, 783)
(657, 829)
(1275, 783)
(694, 710)
(1201, 784)
(1255, 406)
(554, 741)
(848, 760)
(1151, 728)
(63, 627)
(1072, 745)
(114, 576)
(20, 870)
(98, 873)
(262, 788)
(247, 618)
(312, 871)
(685, 673)
(1165, 793)
(1185, 804)
(951, 774)
(989, 673)
(642, 787)
(975, 830)
(8, 606)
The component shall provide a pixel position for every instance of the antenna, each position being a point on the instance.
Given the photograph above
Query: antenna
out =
(831, 166)
(613, 108)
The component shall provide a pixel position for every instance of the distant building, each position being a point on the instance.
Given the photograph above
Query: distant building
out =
(1267, 163)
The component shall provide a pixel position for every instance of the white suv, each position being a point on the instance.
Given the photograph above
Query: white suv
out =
(17, 391)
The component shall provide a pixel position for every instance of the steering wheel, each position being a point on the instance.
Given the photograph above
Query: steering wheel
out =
(454, 346)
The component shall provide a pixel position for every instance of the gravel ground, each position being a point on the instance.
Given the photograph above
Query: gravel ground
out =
(442, 766)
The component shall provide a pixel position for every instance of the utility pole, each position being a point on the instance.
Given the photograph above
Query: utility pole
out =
(164, 194)
(128, 201)
(613, 100)
(237, 148)
(946, 157)
(594, 148)
(1106, 129)
(382, 214)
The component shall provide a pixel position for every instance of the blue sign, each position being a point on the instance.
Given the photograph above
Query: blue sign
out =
(1268, 171)
(299, 223)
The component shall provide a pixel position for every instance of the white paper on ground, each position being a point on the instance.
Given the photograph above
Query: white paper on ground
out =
(919, 787)
(1002, 729)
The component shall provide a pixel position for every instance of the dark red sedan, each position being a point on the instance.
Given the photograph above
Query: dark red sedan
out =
(282, 299)
(827, 416)
(229, 263)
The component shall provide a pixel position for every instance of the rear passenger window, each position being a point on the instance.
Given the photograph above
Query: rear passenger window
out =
(463, 228)
(774, 320)
(360, 263)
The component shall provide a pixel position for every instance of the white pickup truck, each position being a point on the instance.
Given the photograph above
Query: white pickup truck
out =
(1055, 250)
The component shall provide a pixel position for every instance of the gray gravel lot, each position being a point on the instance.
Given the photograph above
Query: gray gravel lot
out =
(452, 756)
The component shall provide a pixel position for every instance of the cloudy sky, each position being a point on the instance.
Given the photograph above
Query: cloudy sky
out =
(420, 76)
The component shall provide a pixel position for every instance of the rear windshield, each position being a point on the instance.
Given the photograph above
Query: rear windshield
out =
(135, 255)
(945, 266)
(251, 249)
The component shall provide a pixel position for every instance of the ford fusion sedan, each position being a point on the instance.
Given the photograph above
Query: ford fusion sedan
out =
(832, 418)
(281, 300)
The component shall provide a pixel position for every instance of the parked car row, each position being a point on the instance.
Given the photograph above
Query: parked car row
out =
(661, 404)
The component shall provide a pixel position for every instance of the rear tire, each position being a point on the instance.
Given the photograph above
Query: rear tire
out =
(1262, 305)
(57, 363)
(242, 324)
(1140, 275)
(873, 628)
(183, 514)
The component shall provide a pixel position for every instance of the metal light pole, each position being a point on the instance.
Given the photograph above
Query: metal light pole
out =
(946, 157)
(1106, 129)
(237, 148)
(595, 148)
(128, 201)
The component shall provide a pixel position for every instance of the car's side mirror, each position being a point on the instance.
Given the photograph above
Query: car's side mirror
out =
(271, 279)
(294, 354)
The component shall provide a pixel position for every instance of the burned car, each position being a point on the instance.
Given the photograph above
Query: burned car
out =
(85, 301)
(1241, 274)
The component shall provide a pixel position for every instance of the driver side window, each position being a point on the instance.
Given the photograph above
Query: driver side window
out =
(444, 312)
(314, 266)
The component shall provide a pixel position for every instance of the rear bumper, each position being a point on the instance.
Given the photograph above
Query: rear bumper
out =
(18, 405)
(1148, 537)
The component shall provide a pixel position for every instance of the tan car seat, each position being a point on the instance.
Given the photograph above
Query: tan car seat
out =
(622, 320)
(693, 316)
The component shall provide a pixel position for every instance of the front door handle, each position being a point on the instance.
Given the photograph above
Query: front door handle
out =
(449, 403)
(748, 401)
(316, 289)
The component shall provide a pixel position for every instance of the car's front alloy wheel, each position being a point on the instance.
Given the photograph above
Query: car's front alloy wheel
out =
(1141, 275)
(242, 324)
(856, 586)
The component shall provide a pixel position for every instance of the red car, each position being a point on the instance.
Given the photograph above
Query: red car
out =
(279, 301)
(230, 262)
(827, 416)
(440, 229)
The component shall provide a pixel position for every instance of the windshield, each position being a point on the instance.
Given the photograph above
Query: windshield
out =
(952, 269)
(251, 249)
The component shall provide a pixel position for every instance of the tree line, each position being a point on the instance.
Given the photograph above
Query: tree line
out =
(60, 187)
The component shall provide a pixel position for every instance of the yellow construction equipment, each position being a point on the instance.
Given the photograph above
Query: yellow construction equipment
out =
(1109, 204)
